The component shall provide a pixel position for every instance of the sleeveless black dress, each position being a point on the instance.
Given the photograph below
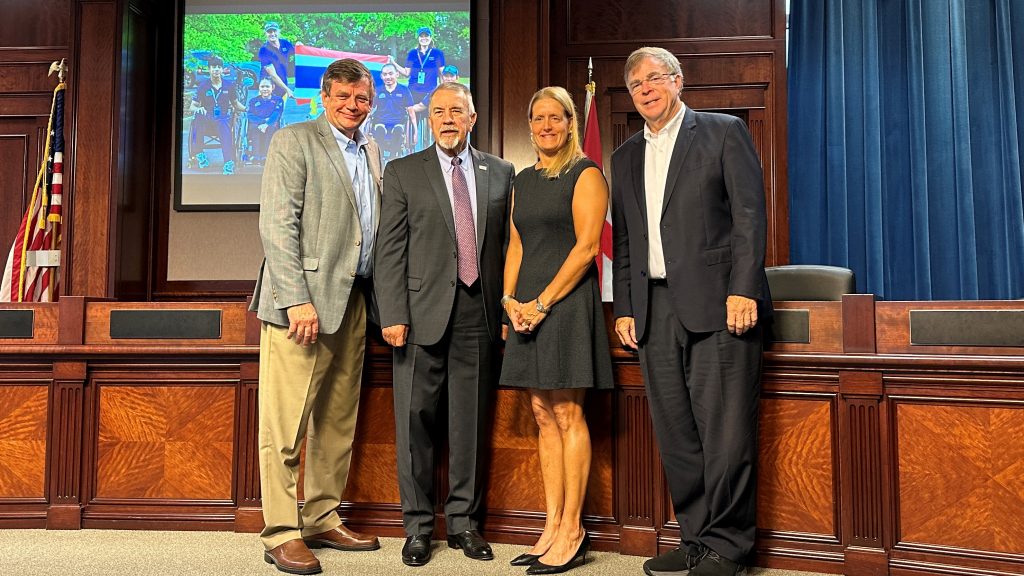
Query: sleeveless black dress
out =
(570, 347)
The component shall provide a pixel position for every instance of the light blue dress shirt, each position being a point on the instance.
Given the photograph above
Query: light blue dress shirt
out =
(354, 152)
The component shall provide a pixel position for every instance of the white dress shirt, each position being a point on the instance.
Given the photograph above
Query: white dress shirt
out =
(657, 155)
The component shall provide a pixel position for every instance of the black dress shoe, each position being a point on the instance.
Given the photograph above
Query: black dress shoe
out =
(416, 551)
(578, 559)
(525, 559)
(473, 545)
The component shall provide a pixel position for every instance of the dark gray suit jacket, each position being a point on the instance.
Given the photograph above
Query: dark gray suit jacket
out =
(415, 258)
(713, 225)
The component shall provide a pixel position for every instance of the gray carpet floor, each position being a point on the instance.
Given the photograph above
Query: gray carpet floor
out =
(144, 553)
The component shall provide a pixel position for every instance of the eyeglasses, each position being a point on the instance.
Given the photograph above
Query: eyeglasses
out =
(654, 79)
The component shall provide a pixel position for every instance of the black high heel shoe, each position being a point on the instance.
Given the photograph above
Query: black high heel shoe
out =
(578, 559)
(525, 559)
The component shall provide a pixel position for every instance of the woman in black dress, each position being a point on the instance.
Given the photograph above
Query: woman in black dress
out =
(552, 297)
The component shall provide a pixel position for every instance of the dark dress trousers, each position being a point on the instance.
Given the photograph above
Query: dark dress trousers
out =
(453, 329)
(702, 382)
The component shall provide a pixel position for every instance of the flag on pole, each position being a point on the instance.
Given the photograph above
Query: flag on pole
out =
(311, 63)
(592, 148)
(32, 273)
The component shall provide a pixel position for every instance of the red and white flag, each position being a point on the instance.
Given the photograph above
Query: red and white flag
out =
(592, 148)
(32, 272)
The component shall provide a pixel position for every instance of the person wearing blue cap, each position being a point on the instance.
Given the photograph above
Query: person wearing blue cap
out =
(423, 65)
(275, 56)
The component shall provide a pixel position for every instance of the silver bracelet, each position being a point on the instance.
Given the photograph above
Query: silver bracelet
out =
(506, 299)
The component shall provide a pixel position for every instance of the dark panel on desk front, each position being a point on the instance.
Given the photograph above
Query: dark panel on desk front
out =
(967, 328)
(165, 324)
(16, 323)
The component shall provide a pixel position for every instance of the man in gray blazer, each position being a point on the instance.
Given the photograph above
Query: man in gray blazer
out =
(438, 279)
(319, 210)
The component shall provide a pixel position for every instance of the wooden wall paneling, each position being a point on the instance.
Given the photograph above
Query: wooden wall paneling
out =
(865, 494)
(638, 479)
(248, 497)
(88, 235)
(132, 234)
(67, 418)
(44, 323)
(233, 322)
(23, 438)
(825, 323)
(25, 96)
(23, 426)
(797, 471)
(966, 452)
(859, 331)
(522, 44)
(893, 328)
(35, 24)
(656, 21)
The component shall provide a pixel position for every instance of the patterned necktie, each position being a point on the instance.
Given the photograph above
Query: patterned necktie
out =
(465, 231)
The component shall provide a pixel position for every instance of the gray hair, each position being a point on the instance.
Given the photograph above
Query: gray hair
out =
(666, 58)
(455, 87)
(346, 71)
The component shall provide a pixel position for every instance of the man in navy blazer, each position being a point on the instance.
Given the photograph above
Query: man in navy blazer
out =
(689, 289)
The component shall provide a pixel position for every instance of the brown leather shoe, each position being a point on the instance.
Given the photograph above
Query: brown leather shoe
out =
(293, 557)
(341, 538)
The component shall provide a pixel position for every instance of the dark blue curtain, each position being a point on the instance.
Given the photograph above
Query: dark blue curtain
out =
(906, 125)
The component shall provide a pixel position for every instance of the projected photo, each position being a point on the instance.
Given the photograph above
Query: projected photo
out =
(246, 74)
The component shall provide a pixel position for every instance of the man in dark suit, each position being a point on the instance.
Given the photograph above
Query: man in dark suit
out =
(438, 279)
(689, 226)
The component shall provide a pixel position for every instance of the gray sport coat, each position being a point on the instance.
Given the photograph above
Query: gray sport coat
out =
(309, 225)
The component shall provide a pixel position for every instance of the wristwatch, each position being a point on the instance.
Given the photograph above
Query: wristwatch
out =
(542, 308)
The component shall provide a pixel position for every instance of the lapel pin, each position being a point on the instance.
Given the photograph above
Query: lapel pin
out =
(482, 167)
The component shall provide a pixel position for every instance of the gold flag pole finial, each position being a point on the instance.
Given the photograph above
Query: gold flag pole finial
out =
(60, 68)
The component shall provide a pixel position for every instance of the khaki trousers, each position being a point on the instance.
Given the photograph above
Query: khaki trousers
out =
(308, 392)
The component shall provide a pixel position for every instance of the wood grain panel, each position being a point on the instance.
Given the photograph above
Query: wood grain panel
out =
(796, 480)
(19, 151)
(892, 327)
(35, 23)
(169, 442)
(604, 21)
(961, 475)
(514, 481)
(373, 476)
(13, 106)
(27, 76)
(97, 321)
(22, 441)
(44, 323)
(87, 237)
(825, 320)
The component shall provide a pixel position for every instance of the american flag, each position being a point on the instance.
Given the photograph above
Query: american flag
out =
(32, 273)
(592, 148)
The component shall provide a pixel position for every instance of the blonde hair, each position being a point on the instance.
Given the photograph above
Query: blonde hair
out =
(571, 152)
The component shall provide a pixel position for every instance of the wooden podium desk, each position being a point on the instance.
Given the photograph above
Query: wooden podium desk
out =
(891, 438)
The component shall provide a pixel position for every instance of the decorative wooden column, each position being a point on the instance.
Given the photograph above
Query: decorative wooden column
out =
(865, 490)
(67, 400)
(249, 514)
(636, 467)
